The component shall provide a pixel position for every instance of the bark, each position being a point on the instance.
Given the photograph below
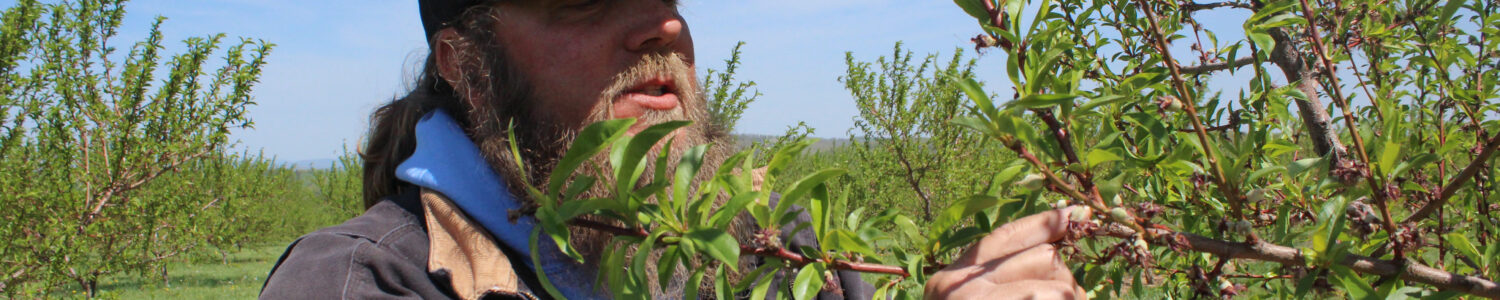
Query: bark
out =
(1314, 113)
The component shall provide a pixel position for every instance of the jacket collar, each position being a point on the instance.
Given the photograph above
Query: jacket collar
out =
(447, 162)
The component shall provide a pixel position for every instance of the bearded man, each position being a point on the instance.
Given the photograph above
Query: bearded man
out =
(441, 185)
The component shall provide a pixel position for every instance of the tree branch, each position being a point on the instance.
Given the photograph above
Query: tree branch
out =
(1291, 256)
(1314, 116)
(1463, 176)
(1192, 7)
(1230, 190)
(1205, 68)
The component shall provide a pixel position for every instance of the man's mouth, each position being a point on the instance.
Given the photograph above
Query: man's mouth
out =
(658, 93)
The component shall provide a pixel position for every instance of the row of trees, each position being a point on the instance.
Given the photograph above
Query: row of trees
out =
(114, 162)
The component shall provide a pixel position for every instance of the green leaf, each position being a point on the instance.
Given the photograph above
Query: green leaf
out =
(1388, 155)
(1042, 100)
(721, 285)
(1416, 162)
(1098, 156)
(536, 260)
(1262, 40)
(1300, 166)
(589, 142)
(786, 155)
(666, 266)
(1101, 101)
(687, 169)
(628, 168)
(809, 282)
(1262, 173)
(638, 263)
(718, 245)
(732, 208)
(1461, 243)
(691, 290)
(802, 187)
(1449, 10)
(981, 99)
(1357, 287)
(974, 8)
(955, 213)
(976, 124)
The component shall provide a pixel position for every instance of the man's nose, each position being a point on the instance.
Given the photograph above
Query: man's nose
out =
(658, 27)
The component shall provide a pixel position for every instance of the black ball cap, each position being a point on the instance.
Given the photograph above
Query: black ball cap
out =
(436, 14)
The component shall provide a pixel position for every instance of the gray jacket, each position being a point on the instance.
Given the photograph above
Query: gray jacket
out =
(386, 254)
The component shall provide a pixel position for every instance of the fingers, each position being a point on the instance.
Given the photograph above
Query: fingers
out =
(1030, 289)
(1037, 263)
(1019, 235)
(1026, 289)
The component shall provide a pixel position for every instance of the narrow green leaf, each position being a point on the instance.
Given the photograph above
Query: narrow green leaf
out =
(694, 281)
(1388, 155)
(1300, 166)
(1098, 156)
(981, 99)
(1461, 243)
(627, 171)
(721, 285)
(1101, 101)
(718, 245)
(536, 260)
(732, 208)
(589, 142)
(1042, 100)
(802, 187)
(974, 8)
(1415, 163)
(666, 266)
(809, 282)
(786, 155)
(1449, 10)
(687, 169)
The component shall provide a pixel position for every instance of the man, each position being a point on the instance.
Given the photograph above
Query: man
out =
(439, 173)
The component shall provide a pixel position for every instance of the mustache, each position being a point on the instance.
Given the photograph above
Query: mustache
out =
(673, 68)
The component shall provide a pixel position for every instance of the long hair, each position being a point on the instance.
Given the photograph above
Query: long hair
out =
(392, 136)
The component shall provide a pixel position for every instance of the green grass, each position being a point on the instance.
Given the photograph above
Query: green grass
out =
(199, 278)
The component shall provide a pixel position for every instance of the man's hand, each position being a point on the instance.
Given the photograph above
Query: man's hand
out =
(1016, 261)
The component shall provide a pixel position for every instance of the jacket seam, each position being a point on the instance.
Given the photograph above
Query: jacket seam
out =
(349, 273)
(403, 230)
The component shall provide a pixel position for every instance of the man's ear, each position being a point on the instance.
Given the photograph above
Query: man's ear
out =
(446, 52)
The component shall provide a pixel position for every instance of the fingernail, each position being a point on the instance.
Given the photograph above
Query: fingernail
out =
(1079, 213)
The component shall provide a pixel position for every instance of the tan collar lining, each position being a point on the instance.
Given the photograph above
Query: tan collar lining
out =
(475, 264)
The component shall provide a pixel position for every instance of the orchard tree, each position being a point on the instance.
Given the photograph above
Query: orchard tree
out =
(87, 130)
(903, 138)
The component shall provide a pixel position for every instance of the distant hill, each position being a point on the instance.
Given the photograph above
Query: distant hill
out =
(745, 140)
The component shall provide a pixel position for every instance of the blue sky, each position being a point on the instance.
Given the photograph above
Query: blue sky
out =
(336, 60)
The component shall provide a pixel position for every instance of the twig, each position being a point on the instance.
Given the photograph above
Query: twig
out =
(1234, 122)
(1192, 7)
(1230, 191)
(1263, 251)
(1463, 176)
(776, 252)
(1205, 68)
(1330, 71)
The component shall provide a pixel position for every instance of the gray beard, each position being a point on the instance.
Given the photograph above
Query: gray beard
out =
(542, 143)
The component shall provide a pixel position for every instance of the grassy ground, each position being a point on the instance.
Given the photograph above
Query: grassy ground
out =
(241, 278)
